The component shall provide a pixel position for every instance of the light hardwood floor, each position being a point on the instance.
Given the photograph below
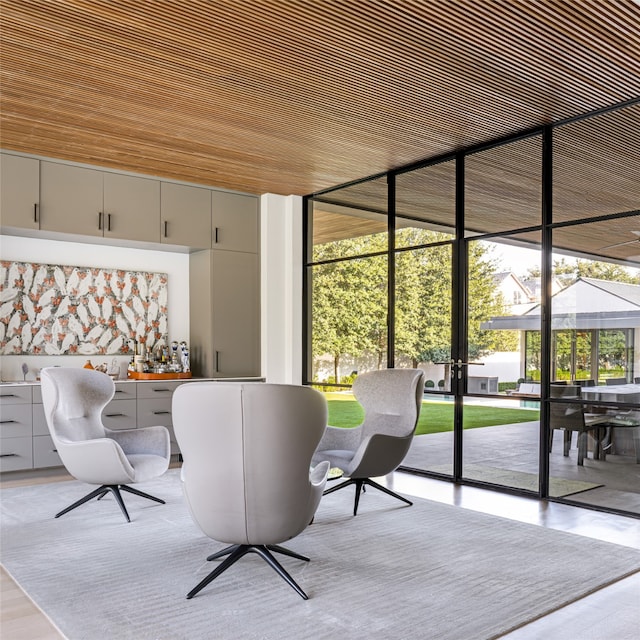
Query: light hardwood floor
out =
(608, 614)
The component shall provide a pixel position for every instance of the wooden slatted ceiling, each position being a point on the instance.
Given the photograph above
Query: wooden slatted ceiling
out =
(293, 96)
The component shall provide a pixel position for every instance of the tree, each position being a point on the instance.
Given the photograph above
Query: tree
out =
(349, 299)
(350, 296)
(569, 272)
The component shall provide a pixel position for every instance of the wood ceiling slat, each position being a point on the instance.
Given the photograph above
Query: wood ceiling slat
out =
(296, 96)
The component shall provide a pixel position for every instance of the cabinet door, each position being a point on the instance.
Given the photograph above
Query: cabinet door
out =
(185, 214)
(236, 314)
(71, 199)
(234, 221)
(19, 191)
(131, 208)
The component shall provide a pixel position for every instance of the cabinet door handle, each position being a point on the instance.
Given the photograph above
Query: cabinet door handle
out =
(8, 455)
(161, 390)
(161, 413)
(108, 222)
(113, 415)
(100, 220)
(217, 361)
(215, 236)
(166, 228)
(35, 212)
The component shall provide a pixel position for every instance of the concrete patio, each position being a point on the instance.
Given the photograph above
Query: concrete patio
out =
(498, 454)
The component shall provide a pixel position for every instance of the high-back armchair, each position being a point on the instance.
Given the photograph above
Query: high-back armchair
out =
(73, 401)
(391, 399)
(247, 451)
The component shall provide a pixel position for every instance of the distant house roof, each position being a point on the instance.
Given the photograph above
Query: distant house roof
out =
(588, 303)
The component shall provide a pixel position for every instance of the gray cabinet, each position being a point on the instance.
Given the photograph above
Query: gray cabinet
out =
(89, 202)
(71, 199)
(224, 314)
(234, 221)
(19, 191)
(185, 215)
(154, 406)
(131, 208)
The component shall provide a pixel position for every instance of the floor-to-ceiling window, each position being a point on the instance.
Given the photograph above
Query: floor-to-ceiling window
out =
(501, 278)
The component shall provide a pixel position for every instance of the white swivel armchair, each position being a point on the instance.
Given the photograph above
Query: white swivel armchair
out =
(246, 475)
(391, 399)
(73, 401)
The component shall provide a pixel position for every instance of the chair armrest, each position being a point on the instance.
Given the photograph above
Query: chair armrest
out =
(318, 475)
(145, 440)
(338, 438)
(99, 461)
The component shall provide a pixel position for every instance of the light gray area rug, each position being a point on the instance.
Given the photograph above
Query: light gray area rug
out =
(427, 571)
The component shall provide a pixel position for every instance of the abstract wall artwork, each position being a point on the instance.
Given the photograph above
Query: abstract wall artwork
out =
(62, 310)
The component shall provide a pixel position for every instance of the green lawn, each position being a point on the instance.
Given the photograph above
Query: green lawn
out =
(344, 411)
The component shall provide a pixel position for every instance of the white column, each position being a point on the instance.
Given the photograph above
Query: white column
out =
(281, 287)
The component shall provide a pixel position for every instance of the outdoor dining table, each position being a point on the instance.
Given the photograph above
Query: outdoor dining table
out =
(625, 418)
(628, 393)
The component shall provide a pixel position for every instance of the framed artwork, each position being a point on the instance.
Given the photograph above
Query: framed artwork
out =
(63, 310)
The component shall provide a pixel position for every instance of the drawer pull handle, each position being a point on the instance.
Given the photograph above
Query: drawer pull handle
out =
(161, 413)
(54, 451)
(161, 390)
(113, 415)
(8, 455)
(8, 395)
(6, 421)
(119, 391)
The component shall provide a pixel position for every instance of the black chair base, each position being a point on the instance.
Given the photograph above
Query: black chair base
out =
(360, 488)
(115, 489)
(236, 551)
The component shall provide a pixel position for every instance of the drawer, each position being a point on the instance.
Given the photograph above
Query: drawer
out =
(152, 412)
(125, 391)
(15, 420)
(15, 394)
(40, 427)
(120, 414)
(157, 389)
(44, 453)
(16, 453)
(157, 412)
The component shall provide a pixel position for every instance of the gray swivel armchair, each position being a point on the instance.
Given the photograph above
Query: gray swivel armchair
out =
(391, 399)
(246, 475)
(73, 401)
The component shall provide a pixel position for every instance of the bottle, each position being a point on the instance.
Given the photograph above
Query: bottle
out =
(88, 365)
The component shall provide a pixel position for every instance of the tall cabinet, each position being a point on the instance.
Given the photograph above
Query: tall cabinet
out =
(224, 292)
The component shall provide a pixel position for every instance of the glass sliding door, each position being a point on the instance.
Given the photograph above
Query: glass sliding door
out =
(424, 234)
(501, 418)
(595, 412)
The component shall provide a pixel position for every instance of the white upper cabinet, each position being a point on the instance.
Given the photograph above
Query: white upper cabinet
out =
(19, 192)
(131, 208)
(185, 215)
(234, 221)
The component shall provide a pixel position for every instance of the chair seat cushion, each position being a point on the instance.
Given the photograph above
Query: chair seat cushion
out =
(147, 466)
